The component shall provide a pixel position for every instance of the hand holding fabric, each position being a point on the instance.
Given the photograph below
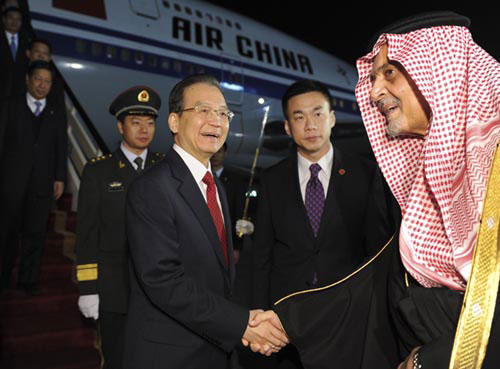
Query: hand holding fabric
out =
(58, 189)
(89, 306)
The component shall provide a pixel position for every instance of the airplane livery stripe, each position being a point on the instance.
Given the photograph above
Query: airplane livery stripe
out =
(164, 45)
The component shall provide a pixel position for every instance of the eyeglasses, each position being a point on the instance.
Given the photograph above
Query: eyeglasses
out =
(223, 115)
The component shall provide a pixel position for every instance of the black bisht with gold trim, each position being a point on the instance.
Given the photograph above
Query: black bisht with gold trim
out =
(345, 324)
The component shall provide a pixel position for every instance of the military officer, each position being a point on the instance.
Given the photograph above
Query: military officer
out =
(101, 247)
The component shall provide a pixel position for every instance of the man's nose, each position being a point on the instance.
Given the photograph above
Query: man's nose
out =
(378, 90)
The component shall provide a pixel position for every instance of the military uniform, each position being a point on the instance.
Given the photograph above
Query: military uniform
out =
(102, 252)
(101, 248)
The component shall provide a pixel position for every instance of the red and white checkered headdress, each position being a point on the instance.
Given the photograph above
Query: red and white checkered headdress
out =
(439, 181)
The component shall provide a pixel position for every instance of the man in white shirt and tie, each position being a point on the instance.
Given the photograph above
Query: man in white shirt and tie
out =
(33, 155)
(13, 58)
(181, 315)
(320, 211)
(101, 241)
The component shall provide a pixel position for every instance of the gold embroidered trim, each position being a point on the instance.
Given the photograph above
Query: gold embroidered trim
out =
(474, 325)
(86, 266)
(340, 281)
(83, 275)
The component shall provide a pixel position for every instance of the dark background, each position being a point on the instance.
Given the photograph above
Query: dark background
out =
(346, 33)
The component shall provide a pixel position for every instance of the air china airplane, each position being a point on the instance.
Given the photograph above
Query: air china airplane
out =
(102, 47)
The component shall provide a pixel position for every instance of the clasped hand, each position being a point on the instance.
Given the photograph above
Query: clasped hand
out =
(264, 333)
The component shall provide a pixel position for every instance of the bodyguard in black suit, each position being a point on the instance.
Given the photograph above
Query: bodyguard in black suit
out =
(320, 211)
(13, 58)
(33, 154)
(101, 248)
(180, 314)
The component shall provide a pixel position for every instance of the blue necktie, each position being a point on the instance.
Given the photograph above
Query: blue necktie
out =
(315, 198)
(13, 47)
(37, 110)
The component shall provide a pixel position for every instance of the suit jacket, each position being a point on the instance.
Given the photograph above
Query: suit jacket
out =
(235, 188)
(354, 224)
(180, 312)
(12, 72)
(101, 240)
(25, 159)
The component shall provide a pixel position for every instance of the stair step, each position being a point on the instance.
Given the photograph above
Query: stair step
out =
(88, 358)
(46, 332)
(19, 304)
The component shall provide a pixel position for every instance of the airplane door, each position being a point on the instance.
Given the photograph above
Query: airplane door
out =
(145, 8)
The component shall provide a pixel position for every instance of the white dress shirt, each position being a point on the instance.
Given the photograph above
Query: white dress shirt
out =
(131, 156)
(9, 38)
(198, 170)
(326, 163)
(31, 103)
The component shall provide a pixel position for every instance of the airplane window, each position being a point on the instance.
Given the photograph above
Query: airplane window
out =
(177, 7)
(166, 4)
(188, 10)
(210, 18)
(177, 66)
(165, 64)
(237, 25)
(219, 19)
(341, 103)
(125, 55)
(139, 58)
(199, 14)
(110, 51)
(81, 45)
(152, 60)
(95, 49)
(229, 23)
(189, 68)
(334, 102)
(201, 69)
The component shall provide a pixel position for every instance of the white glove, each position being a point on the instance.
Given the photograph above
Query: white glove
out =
(244, 227)
(89, 306)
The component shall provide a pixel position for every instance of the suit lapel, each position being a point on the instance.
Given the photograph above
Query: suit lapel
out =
(191, 194)
(47, 119)
(125, 168)
(334, 203)
(299, 208)
(227, 225)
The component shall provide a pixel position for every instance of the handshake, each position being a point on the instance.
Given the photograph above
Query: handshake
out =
(264, 333)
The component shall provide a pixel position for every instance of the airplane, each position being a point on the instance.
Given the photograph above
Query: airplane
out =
(102, 47)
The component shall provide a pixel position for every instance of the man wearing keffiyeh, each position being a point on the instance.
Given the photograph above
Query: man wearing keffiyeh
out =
(430, 101)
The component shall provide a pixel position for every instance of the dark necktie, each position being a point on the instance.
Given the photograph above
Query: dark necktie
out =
(138, 161)
(214, 208)
(37, 110)
(13, 47)
(315, 198)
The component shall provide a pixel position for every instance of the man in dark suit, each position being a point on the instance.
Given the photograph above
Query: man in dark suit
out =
(13, 58)
(41, 50)
(101, 241)
(320, 211)
(33, 154)
(180, 312)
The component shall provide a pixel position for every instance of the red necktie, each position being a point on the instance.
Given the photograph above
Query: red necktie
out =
(213, 206)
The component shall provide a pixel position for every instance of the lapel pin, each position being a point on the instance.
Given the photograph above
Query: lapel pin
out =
(121, 164)
(341, 172)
